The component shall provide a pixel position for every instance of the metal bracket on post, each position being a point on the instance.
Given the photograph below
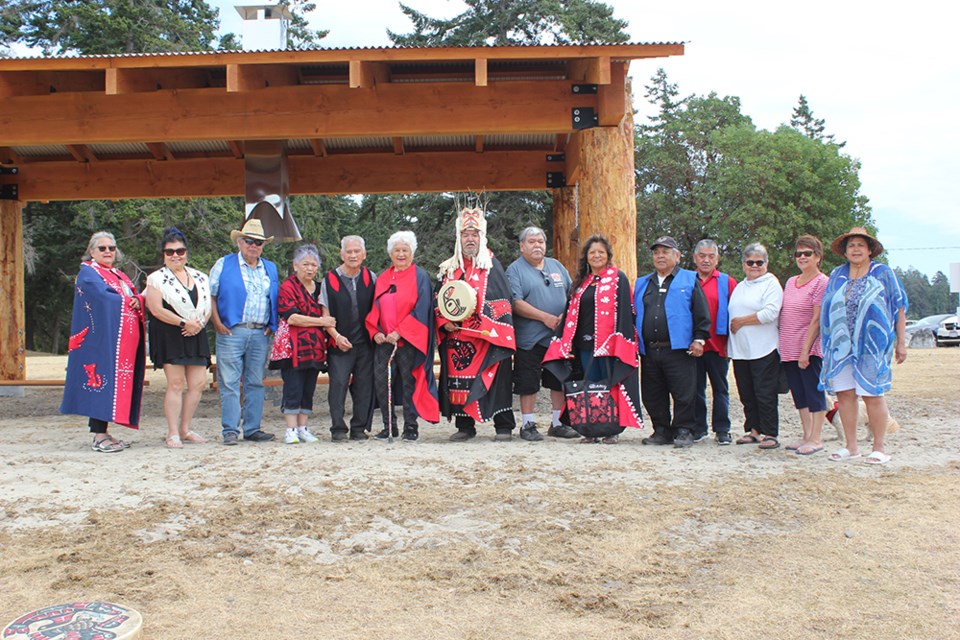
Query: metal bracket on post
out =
(9, 192)
(556, 157)
(585, 118)
(9, 171)
(556, 179)
(582, 89)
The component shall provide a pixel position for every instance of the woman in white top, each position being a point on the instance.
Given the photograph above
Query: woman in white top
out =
(754, 312)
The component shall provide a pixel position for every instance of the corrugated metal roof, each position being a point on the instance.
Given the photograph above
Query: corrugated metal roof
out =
(120, 149)
(174, 54)
(379, 142)
(42, 150)
(414, 142)
(516, 140)
(199, 146)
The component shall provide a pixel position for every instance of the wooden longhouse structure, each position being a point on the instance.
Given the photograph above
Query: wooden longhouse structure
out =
(377, 120)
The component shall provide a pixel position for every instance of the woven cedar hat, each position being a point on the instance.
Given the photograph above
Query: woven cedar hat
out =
(839, 245)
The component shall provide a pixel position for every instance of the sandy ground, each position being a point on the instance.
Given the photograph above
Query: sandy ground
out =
(487, 540)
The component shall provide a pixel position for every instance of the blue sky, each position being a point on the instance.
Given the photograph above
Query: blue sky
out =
(886, 80)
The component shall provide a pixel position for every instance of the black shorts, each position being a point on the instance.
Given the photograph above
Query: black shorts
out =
(529, 374)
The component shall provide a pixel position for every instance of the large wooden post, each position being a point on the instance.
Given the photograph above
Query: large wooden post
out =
(12, 352)
(608, 203)
(566, 239)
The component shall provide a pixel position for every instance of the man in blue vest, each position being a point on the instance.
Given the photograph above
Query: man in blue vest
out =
(673, 323)
(244, 288)
(714, 363)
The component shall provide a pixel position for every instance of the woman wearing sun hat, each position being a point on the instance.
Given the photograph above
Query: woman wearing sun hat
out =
(862, 325)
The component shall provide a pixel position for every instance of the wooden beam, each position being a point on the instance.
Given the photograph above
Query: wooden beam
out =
(9, 156)
(319, 148)
(612, 103)
(560, 141)
(398, 146)
(160, 151)
(478, 143)
(364, 75)
(334, 174)
(590, 70)
(327, 56)
(284, 113)
(81, 153)
(480, 71)
(121, 81)
(13, 353)
(37, 83)
(236, 148)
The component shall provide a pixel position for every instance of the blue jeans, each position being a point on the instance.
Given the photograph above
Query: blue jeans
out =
(711, 365)
(241, 356)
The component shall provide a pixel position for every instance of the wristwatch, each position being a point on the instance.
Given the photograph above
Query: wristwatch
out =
(182, 324)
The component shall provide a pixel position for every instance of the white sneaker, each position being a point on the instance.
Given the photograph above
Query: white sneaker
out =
(291, 437)
(305, 436)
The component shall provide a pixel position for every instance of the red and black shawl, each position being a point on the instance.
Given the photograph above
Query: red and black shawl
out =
(415, 324)
(307, 345)
(615, 336)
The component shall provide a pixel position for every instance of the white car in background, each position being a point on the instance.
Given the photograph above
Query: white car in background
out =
(948, 331)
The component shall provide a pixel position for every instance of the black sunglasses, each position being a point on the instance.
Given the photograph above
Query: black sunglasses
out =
(546, 279)
(806, 254)
(754, 263)
(250, 241)
(111, 248)
(181, 251)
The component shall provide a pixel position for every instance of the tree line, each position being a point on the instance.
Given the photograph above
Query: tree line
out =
(702, 168)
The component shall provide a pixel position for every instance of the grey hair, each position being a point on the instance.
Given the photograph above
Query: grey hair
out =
(345, 239)
(755, 249)
(706, 243)
(532, 231)
(306, 251)
(405, 237)
(88, 254)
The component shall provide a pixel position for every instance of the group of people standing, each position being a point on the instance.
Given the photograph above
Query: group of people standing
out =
(531, 326)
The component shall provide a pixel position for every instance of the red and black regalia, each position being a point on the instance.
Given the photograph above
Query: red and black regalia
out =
(475, 372)
(307, 346)
(411, 315)
(105, 362)
(614, 336)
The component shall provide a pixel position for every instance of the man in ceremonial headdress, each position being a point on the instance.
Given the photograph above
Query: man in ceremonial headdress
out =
(475, 353)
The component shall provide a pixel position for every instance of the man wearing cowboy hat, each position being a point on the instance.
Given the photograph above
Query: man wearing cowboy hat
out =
(244, 288)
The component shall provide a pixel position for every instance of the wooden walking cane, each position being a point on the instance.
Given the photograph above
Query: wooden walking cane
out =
(390, 417)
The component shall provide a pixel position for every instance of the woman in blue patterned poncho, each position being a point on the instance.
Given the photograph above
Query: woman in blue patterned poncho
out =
(862, 325)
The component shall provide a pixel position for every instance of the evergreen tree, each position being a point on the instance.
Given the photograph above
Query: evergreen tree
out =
(704, 170)
(511, 22)
(803, 121)
(93, 27)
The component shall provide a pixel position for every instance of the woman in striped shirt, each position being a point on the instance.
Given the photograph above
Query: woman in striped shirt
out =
(800, 349)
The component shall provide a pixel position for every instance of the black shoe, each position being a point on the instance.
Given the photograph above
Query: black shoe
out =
(339, 436)
(411, 435)
(683, 440)
(529, 432)
(658, 439)
(358, 435)
(562, 431)
(384, 434)
(723, 438)
(463, 435)
(700, 437)
(506, 436)
(259, 436)
(230, 438)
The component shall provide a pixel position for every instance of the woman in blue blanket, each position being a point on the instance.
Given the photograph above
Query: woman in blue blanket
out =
(862, 324)
(105, 361)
